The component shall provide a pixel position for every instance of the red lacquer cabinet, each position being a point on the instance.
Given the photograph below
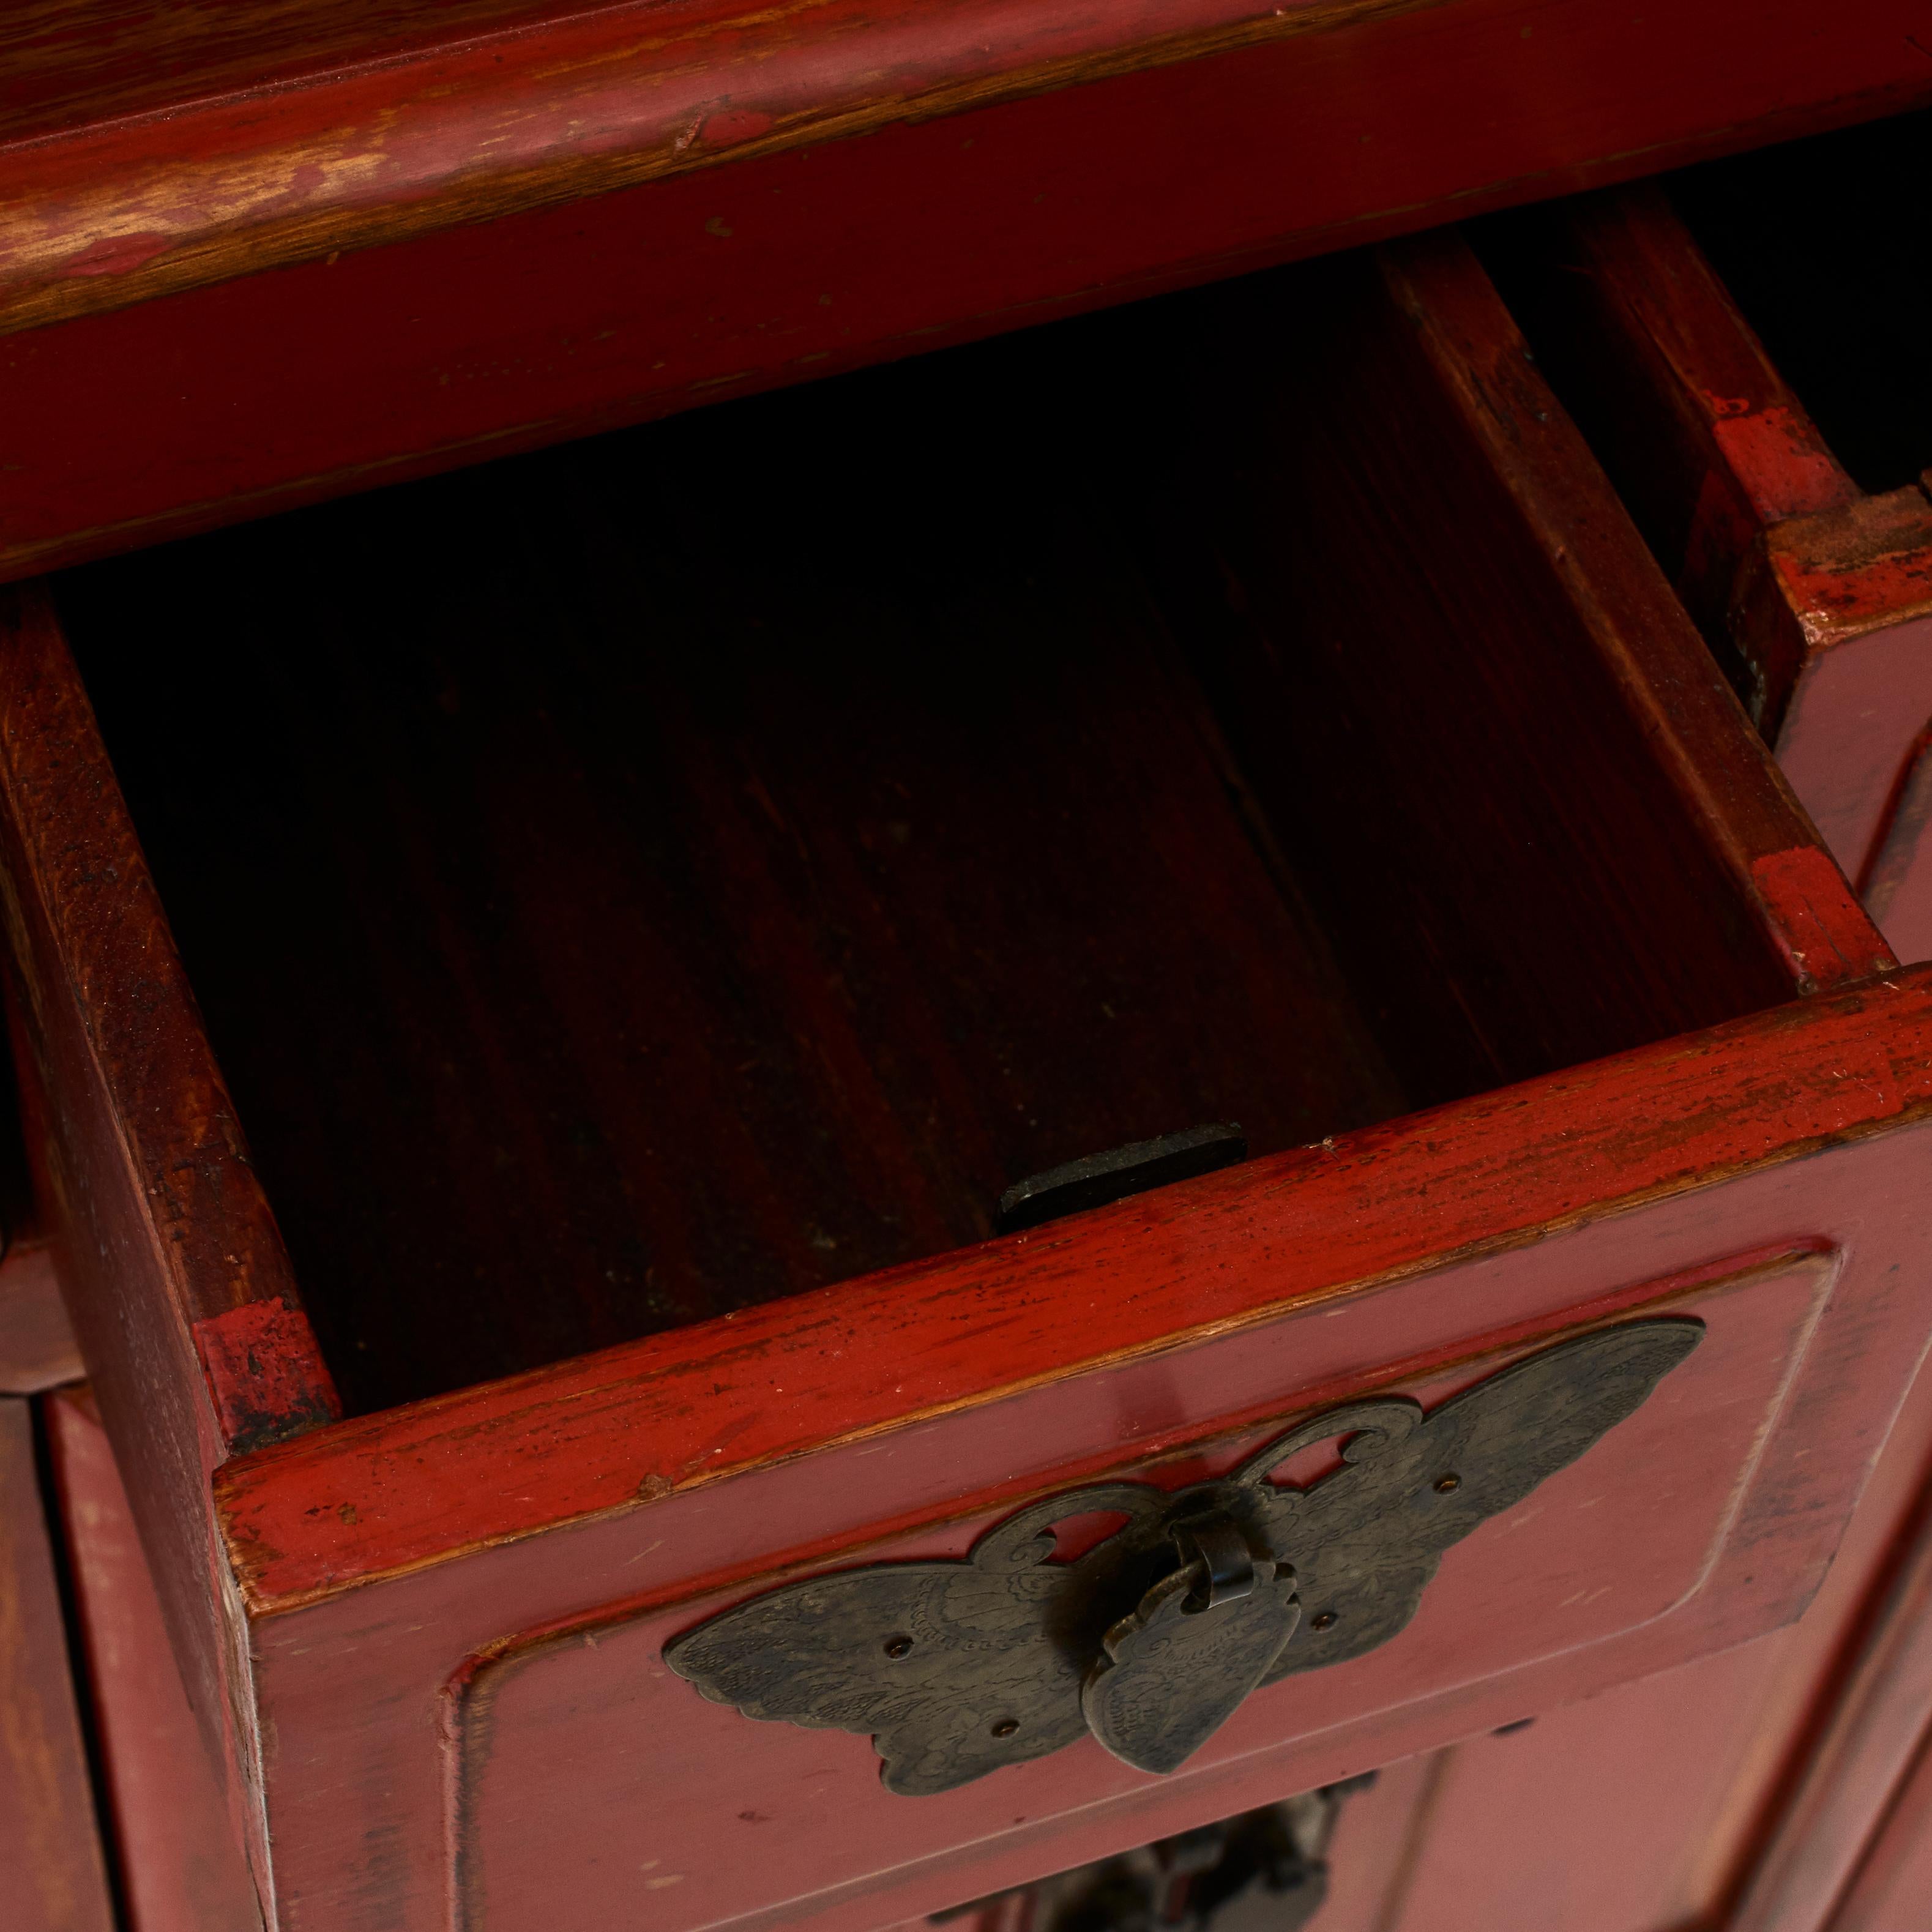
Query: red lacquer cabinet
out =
(591, 976)
(579, 1019)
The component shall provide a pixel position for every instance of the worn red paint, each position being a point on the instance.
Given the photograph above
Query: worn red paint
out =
(1779, 460)
(549, 109)
(1819, 923)
(264, 1372)
(688, 1407)
(1867, 565)
(492, 1572)
(1825, 593)
(555, 322)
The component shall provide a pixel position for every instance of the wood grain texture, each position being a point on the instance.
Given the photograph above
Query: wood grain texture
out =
(82, 912)
(501, 759)
(749, 891)
(1423, 431)
(546, 110)
(803, 895)
(1833, 614)
(585, 1439)
(50, 1849)
(363, 364)
(76, 63)
(180, 1862)
(133, 1145)
(1849, 344)
(1706, 440)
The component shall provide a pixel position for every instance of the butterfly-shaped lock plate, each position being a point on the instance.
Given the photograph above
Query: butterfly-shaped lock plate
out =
(1151, 1639)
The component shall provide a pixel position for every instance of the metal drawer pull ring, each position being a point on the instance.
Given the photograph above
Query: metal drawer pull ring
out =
(1151, 1639)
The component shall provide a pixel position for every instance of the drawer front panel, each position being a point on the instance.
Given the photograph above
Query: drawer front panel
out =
(579, 1751)
(514, 1709)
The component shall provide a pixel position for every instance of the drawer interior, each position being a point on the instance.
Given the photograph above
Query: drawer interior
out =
(696, 865)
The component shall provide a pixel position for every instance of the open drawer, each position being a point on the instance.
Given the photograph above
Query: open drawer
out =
(630, 915)
(1742, 347)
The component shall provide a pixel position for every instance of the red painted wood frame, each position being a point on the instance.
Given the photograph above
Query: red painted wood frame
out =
(427, 1638)
(1824, 592)
(50, 1849)
(324, 249)
(180, 1857)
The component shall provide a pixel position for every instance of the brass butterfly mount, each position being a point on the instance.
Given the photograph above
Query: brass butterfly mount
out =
(1152, 1639)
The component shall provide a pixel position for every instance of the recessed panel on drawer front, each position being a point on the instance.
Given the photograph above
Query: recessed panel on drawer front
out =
(583, 1760)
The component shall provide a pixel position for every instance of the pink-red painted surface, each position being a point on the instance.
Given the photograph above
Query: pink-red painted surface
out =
(53, 1874)
(1891, 1890)
(180, 1859)
(427, 1638)
(37, 1350)
(575, 1736)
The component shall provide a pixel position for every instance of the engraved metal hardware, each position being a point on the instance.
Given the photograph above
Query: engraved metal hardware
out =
(1150, 1640)
(1264, 1871)
(1216, 1625)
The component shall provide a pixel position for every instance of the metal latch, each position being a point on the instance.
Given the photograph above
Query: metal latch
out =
(1150, 1640)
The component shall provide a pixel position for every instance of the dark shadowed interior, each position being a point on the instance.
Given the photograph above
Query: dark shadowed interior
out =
(632, 882)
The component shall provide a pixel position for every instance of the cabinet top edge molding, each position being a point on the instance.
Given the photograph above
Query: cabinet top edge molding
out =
(298, 131)
(149, 151)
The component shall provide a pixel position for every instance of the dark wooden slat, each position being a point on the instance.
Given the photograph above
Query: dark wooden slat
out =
(134, 1136)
